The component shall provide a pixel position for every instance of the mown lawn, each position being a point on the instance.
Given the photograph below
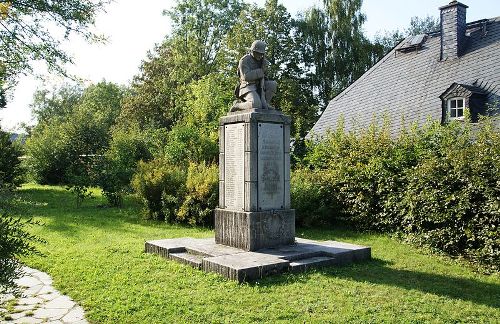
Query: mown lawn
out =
(95, 255)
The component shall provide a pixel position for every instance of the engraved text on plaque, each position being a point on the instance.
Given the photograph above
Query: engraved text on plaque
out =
(234, 149)
(271, 185)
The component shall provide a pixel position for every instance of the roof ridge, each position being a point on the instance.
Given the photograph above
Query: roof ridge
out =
(364, 75)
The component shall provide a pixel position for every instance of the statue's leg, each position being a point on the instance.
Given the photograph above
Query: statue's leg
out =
(271, 88)
(254, 98)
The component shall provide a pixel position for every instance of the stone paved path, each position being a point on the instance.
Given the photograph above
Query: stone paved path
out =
(40, 302)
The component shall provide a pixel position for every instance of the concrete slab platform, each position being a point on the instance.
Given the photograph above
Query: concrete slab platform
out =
(241, 265)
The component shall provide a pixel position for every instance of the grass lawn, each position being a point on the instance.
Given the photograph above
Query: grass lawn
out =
(95, 255)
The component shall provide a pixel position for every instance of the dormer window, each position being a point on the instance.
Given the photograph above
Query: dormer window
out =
(456, 108)
(457, 97)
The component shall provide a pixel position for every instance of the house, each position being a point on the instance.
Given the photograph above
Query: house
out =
(435, 75)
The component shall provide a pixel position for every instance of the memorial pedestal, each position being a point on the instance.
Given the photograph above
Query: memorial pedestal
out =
(254, 181)
(254, 208)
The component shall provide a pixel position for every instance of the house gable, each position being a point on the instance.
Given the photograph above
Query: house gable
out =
(406, 86)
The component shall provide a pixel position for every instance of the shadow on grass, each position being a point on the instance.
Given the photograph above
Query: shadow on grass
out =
(59, 206)
(379, 272)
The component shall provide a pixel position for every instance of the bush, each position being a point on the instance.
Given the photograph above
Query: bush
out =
(114, 170)
(437, 185)
(15, 241)
(202, 193)
(173, 194)
(160, 185)
(10, 168)
(309, 194)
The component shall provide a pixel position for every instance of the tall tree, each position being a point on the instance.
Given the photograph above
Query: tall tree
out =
(335, 50)
(60, 145)
(389, 40)
(200, 28)
(27, 30)
(57, 104)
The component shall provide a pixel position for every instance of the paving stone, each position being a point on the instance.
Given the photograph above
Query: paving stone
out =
(24, 307)
(43, 277)
(29, 301)
(75, 315)
(61, 302)
(49, 296)
(42, 302)
(50, 313)
(15, 316)
(32, 291)
(29, 270)
(28, 281)
(28, 320)
(47, 289)
(5, 298)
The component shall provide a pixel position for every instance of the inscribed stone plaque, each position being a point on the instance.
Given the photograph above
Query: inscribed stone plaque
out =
(271, 185)
(234, 166)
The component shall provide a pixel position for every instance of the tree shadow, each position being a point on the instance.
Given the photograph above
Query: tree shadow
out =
(379, 272)
(58, 206)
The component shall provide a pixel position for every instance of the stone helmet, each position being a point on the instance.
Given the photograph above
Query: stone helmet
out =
(259, 47)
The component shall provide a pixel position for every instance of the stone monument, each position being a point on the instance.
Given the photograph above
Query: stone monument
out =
(254, 222)
(254, 181)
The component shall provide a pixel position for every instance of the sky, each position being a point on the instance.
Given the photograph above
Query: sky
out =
(132, 31)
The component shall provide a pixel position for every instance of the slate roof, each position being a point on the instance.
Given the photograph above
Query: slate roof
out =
(408, 85)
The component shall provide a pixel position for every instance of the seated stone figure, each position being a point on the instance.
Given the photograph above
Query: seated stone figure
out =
(254, 91)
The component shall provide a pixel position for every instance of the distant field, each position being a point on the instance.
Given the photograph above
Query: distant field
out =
(95, 255)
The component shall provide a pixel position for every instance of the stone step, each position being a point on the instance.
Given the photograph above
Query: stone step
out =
(193, 260)
(308, 263)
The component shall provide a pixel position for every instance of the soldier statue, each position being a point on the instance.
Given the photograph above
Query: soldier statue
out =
(254, 91)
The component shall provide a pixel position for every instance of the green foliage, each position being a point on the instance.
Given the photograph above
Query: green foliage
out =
(437, 185)
(333, 48)
(202, 193)
(10, 168)
(310, 198)
(173, 193)
(160, 185)
(59, 104)
(15, 242)
(114, 170)
(27, 29)
(67, 138)
(80, 192)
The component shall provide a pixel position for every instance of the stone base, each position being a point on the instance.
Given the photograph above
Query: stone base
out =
(241, 265)
(252, 231)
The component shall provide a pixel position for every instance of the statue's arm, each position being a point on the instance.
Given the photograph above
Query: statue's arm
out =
(250, 75)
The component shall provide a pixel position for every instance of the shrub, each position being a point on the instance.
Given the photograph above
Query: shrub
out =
(437, 185)
(160, 185)
(114, 170)
(202, 189)
(10, 168)
(309, 194)
(15, 241)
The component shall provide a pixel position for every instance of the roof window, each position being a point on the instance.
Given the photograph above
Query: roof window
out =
(413, 43)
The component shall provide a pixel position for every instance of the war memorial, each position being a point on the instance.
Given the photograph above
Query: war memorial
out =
(255, 222)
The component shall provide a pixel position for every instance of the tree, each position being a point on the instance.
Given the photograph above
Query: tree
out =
(58, 104)
(200, 29)
(389, 40)
(27, 28)
(14, 240)
(335, 51)
(10, 168)
(62, 147)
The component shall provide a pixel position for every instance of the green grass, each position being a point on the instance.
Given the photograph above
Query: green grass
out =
(95, 255)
